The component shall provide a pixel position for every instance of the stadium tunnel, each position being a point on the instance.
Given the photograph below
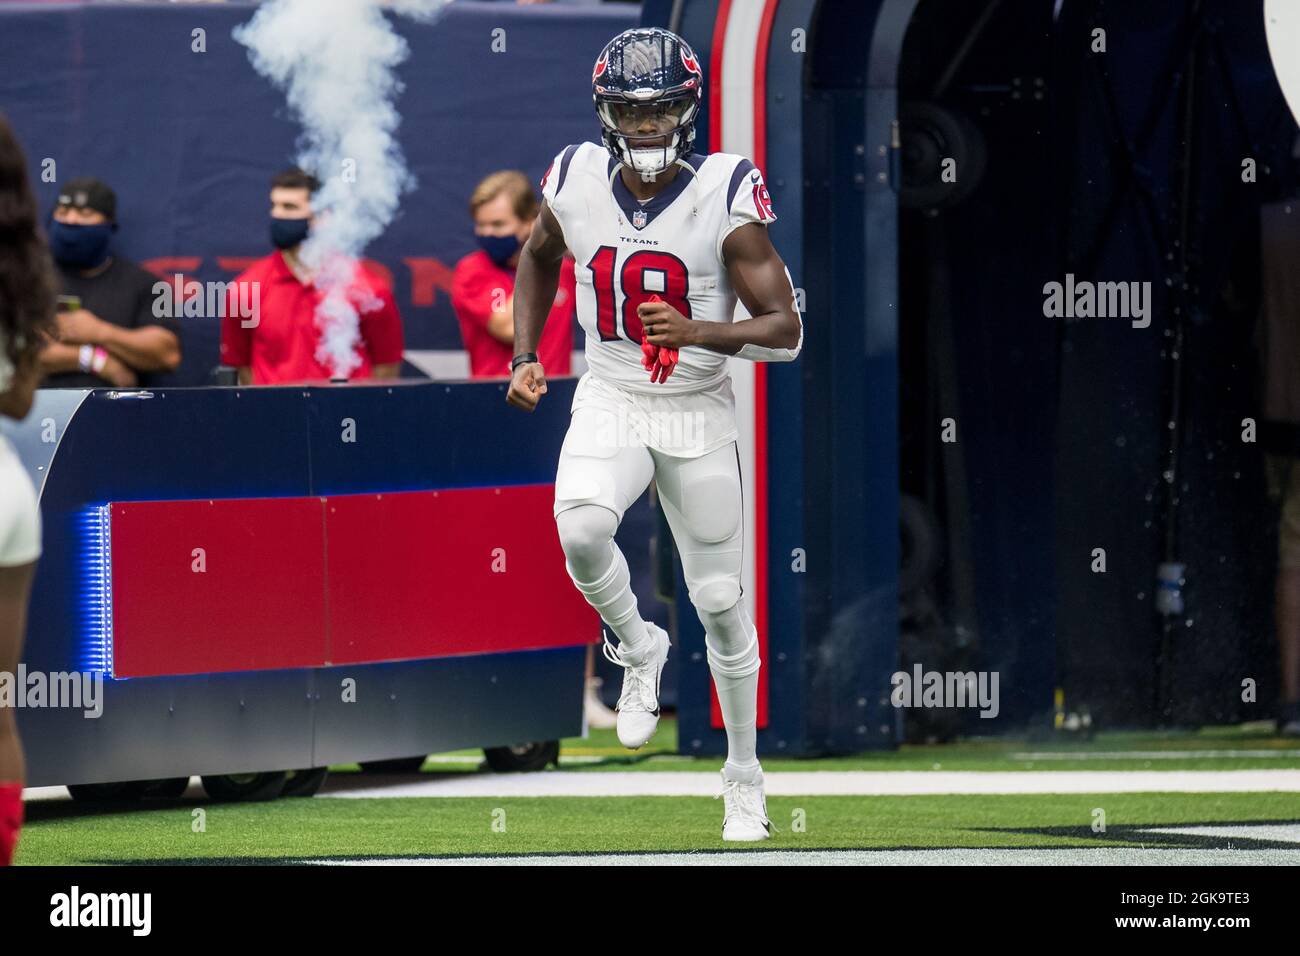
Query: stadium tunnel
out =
(1105, 142)
(934, 391)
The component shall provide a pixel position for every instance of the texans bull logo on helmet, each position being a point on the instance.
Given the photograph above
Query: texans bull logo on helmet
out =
(688, 61)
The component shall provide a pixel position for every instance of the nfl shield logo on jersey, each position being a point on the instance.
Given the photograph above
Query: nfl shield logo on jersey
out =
(639, 219)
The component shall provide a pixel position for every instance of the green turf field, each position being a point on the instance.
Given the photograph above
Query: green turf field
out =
(296, 829)
(378, 827)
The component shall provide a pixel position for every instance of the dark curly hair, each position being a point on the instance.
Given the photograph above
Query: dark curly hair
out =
(26, 274)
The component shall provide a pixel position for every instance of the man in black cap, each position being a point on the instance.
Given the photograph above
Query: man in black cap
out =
(108, 332)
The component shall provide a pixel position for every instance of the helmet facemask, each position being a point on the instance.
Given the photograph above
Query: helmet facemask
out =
(649, 137)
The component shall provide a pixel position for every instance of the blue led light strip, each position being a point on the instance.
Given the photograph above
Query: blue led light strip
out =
(95, 600)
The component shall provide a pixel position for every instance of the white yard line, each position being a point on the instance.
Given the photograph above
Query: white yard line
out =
(866, 783)
(1277, 833)
(1098, 856)
(821, 783)
(1154, 754)
(478, 758)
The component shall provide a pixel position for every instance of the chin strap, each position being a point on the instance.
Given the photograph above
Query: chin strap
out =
(656, 169)
(672, 154)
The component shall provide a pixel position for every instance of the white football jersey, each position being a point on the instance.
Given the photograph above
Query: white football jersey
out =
(670, 246)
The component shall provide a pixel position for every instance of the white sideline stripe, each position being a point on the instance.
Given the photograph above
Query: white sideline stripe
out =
(1284, 833)
(1153, 754)
(794, 783)
(1066, 856)
(478, 758)
(824, 783)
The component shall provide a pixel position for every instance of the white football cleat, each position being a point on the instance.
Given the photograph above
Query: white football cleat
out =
(745, 818)
(638, 704)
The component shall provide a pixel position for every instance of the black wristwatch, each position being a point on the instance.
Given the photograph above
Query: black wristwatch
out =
(522, 358)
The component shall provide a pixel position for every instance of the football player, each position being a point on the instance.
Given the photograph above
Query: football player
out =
(665, 240)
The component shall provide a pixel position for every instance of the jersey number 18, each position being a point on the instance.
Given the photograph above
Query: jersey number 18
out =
(644, 273)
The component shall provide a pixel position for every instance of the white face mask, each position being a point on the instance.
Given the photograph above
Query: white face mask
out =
(650, 162)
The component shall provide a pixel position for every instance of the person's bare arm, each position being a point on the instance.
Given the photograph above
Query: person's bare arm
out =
(536, 280)
(758, 275)
(245, 375)
(58, 357)
(149, 348)
(15, 593)
(501, 323)
(16, 401)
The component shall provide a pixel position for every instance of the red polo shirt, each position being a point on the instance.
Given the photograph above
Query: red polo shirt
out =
(479, 287)
(281, 347)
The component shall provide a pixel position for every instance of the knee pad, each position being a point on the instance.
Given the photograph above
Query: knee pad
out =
(586, 532)
(711, 506)
(716, 595)
(707, 525)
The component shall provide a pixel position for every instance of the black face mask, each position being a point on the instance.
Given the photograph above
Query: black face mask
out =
(78, 246)
(287, 233)
(499, 248)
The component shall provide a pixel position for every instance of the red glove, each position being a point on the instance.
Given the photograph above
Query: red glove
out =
(649, 356)
(658, 361)
(667, 362)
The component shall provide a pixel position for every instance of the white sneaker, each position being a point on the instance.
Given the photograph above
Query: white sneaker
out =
(638, 704)
(594, 709)
(745, 818)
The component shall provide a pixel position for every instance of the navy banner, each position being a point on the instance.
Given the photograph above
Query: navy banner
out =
(189, 139)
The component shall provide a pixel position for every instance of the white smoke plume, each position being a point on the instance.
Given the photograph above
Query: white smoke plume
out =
(335, 60)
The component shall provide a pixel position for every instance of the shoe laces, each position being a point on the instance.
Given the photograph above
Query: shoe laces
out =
(639, 692)
(744, 800)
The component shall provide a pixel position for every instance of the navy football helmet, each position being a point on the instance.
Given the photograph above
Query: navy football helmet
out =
(647, 86)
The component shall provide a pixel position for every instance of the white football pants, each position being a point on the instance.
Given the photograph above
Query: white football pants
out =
(598, 479)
